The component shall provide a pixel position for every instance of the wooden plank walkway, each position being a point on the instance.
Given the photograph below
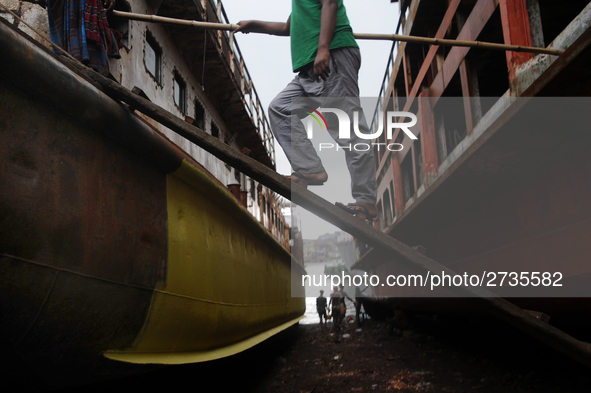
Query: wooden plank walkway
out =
(402, 253)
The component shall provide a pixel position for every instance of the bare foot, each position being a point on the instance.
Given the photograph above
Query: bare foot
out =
(309, 179)
(363, 210)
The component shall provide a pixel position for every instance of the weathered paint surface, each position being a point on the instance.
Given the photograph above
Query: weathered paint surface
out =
(77, 266)
(91, 221)
(516, 31)
(223, 272)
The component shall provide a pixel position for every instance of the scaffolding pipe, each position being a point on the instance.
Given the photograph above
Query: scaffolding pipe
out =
(359, 36)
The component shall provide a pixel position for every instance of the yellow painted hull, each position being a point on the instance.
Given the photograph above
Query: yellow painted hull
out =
(228, 282)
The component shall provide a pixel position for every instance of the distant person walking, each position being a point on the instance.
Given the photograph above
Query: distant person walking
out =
(343, 307)
(321, 308)
(335, 304)
(358, 299)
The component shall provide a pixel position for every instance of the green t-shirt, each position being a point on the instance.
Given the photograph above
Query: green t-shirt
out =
(305, 31)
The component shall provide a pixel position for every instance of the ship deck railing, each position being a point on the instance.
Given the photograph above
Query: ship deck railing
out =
(213, 11)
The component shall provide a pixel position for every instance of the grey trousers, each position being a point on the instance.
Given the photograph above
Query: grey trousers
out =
(291, 133)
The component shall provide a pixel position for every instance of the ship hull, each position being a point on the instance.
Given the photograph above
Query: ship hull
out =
(116, 246)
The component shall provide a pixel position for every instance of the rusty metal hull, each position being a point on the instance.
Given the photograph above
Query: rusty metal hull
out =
(100, 216)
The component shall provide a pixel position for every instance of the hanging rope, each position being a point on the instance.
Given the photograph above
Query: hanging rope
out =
(203, 67)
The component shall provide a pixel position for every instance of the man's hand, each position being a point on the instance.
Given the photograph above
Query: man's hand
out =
(258, 26)
(245, 26)
(322, 65)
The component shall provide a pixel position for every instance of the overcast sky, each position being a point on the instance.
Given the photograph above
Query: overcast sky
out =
(268, 61)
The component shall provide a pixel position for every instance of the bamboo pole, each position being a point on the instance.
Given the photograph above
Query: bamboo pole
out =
(174, 21)
(448, 42)
(359, 36)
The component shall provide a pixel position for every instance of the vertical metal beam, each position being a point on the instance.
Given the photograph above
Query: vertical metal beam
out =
(397, 178)
(406, 69)
(535, 23)
(428, 138)
(516, 31)
(413, 157)
(467, 94)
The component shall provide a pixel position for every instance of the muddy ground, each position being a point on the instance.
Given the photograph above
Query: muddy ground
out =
(458, 355)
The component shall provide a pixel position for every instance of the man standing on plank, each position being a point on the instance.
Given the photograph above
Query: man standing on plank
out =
(327, 59)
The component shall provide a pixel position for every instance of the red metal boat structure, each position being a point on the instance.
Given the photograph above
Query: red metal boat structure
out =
(499, 177)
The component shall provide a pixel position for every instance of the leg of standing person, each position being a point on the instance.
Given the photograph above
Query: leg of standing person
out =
(341, 90)
(336, 319)
(289, 130)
